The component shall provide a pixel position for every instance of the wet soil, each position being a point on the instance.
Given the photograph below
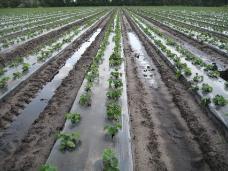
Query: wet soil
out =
(187, 133)
(211, 51)
(30, 45)
(38, 143)
(11, 105)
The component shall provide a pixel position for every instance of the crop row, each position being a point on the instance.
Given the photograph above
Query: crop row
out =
(192, 31)
(203, 77)
(68, 140)
(18, 68)
(206, 24)
(34, 23)
(34, 31)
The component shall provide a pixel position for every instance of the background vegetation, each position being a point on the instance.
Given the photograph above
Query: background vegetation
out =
(36, 3)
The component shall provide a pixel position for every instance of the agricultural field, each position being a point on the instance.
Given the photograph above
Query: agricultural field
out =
(114, 88)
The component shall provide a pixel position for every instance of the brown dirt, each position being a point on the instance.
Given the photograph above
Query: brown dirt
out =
(213, 52)
(25, 48)
(36, 146)
(203, 142)
(11, 105)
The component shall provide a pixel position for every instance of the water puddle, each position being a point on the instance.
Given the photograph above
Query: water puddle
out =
(92, 135)
(147, 69)
(17, 130)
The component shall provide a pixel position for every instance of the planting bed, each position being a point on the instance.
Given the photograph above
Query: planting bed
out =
(131, 88)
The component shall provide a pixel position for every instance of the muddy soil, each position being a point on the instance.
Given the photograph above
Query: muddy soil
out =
(10, 106)
(36, 146)
(27, 47)
(219, 55)
(189, 132)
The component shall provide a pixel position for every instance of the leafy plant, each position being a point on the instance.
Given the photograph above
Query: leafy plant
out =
(73, 117)
(178, 74)
(88, 87)
(47, 167)
(17, 75)
(187, 71)
(116, 74)
(115, 83)
(2, 70)
(114, 94)
(3, 82)
(206, 101)
(110, 162)
(25, 67)
(214, 74)
(219, 100)
(68, 141)
(85, 99)
(198, 78)
(112, 130)
(206, 88)
(113, 111)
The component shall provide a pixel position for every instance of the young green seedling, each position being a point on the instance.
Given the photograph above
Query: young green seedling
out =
(206, 88)
(85, 99)
(113, 111)
(17, 75)
(68, 141)
(110, 161)
(25, 67)
(3, 82)
(47, 167)
(73, 117)
(197, 78)
(112, 130)
(114, 94)
(219, 100)
(206, 101)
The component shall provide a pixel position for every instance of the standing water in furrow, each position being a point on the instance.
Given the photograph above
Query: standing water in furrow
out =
(15, 133)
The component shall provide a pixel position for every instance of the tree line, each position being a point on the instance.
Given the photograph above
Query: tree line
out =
(56, 3)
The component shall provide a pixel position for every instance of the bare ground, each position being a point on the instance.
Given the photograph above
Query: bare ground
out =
(178, 132)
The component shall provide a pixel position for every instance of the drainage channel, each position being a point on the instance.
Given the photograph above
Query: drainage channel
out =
(12, 136)
(91, 127)
(35, 64)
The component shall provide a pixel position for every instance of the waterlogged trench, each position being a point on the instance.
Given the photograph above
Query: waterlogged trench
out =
(91, 127)
(12, 136)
